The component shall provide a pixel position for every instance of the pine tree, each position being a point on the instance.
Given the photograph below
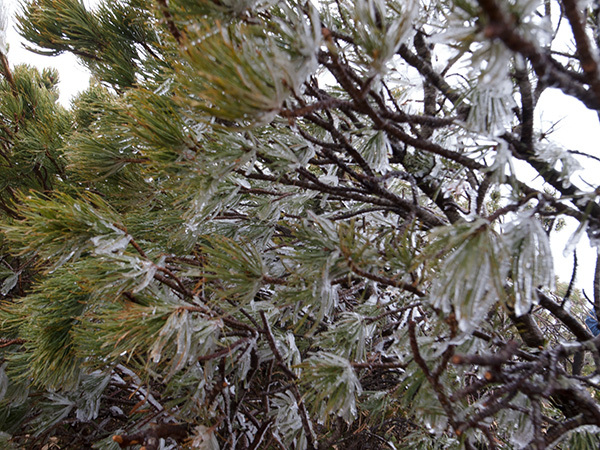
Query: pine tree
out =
(295, 225)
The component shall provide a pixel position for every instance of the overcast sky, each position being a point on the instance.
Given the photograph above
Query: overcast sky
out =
(577, 128)
(73, 76)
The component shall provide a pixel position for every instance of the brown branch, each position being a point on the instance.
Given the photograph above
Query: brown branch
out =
(368, 180)
(427, 71)
(429, 91)
(173, 285)
(8, 74)
(586, 53)
(527, 106)
(376, 365)
(351, 214)
(553, 178)
(272, 280)
(6, 342)
(424, 144)
(501, 26)
(174, 282)
(391, 312)
(308, 109)
(340, 72)
(418, 119)
(150, 437)
(556, 432)
(404, 208)
(520, 353)
(260, 434)
(572, 323)
(384, 280)
(223, 351)
(496, 359)
(354, 154)
(434, 382)
(164, 7)
(184, 290)
(596, 287)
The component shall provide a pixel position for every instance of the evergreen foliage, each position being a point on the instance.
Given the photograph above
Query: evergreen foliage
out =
(283, 224)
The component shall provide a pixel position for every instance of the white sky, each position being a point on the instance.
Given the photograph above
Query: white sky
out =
(577, 128)
(572, 123)
(73, 76)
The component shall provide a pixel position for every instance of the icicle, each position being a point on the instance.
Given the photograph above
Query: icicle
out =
(574, 239)
(165, 87)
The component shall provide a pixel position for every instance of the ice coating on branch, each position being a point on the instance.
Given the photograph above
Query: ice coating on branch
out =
(518, 425)
(165, 87)
(334, 385)
(88, 405)
(502, 162)
(288, 421)
(491, 103)
(177, 329)
(350, 336)
(472, 275)
(147, 269)
(329, 179)
(9, 283)
(532, 262)
(559, 159)
(3, 381)
(325, 291)
(204, 438)
(190, 335)
(244, 360)
(380, 29)
(106, 245)
(64, 258)
(575, 238)
(375, 148)
(434, 420)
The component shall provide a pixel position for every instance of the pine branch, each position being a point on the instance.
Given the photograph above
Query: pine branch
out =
(173, 29)
(501, 26)
(587, 54)
(303, 413)
(7, 73)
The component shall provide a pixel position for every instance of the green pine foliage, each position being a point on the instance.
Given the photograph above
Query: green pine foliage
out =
(285, 224)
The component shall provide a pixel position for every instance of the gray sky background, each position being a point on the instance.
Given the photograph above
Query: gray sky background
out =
(73, 76)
